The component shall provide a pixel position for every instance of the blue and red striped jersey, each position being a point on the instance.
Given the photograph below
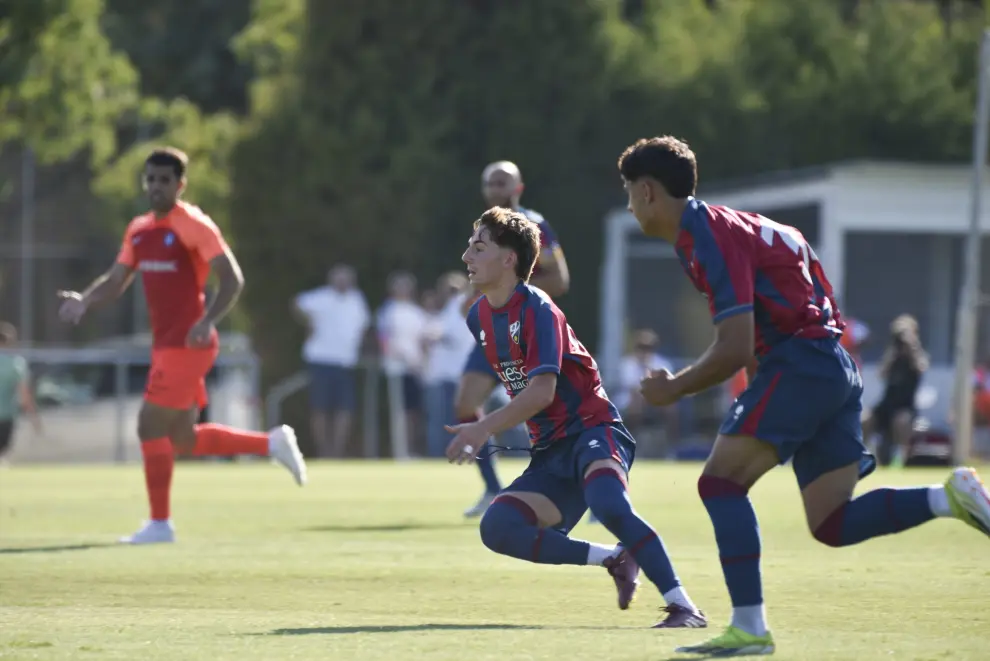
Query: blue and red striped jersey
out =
(746, 262)
(529, 336)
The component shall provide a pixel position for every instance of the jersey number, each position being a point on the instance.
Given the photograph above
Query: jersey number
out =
(791, 238)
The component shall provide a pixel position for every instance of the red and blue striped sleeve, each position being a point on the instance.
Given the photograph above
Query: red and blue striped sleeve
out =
(726, 269)
(544, 333)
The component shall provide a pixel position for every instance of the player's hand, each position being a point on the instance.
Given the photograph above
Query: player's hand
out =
(467, 442)
(659, 388)
(200, 335)
(73, 306)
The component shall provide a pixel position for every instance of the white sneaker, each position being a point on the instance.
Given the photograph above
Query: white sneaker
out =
(153, 532)
(969, 499)
(283, 448)
(481, 506)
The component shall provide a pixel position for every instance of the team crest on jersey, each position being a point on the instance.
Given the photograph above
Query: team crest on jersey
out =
(169, 239)
(514, 331)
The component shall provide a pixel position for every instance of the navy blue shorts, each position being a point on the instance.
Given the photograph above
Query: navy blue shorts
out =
(412, 393)
(805, 400)
(558, 471)
(477, 362)
(331, 388)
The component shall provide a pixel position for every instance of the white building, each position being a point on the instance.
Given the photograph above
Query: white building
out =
(890, 236)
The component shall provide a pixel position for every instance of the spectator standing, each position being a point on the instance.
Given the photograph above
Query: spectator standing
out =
(15, 388)
(449, 345)
(337, 317)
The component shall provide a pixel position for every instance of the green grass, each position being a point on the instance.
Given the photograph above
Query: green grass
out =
(373, 561)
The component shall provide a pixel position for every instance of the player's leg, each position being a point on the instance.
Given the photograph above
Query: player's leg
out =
(770, 408)
(603, 458)
(474, 389)
(530, 519)
(829, 467)
(154, 426)
(182, 390)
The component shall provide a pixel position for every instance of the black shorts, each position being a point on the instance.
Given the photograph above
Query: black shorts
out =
(883, 415)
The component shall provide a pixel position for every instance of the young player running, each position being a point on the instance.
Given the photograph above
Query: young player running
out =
(768, 294)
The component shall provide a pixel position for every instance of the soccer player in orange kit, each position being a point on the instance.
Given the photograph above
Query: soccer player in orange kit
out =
(175, 246)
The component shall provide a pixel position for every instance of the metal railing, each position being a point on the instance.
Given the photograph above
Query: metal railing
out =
(371, 436)
(121, 359)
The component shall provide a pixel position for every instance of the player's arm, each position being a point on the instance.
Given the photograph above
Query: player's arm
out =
(108, 286)
(731, 351)
(230, 283)
(554, 277)
(728, 272)
(534, 398)
(543, 333)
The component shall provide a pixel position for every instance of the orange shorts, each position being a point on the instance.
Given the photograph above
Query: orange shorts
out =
(177, 379)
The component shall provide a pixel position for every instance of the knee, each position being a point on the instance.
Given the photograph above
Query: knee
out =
(500, 519)
(829, 531)
(710, 486)
(151, 426)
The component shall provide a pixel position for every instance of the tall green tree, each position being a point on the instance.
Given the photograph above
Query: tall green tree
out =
(63, 87)
(184, 50)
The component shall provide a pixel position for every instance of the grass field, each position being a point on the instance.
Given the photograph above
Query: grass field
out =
(373, 561)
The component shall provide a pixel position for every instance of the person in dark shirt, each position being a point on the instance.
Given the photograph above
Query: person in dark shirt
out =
(904, 362)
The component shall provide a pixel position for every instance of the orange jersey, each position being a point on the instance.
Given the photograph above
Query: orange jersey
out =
(173, 256)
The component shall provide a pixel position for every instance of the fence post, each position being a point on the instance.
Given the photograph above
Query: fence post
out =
(120, 391)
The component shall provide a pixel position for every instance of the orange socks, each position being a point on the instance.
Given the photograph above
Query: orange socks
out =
(221, 441)
(158, 463)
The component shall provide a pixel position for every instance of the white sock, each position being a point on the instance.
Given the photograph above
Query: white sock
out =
(680, 597)
(751, 619)
(599, 553)
(938, 501)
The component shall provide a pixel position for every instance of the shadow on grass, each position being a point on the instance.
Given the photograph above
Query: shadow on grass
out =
(392, 527)
(411, 628)
(54, 549)
(311, 631)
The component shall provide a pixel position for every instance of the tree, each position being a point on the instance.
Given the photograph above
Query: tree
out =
(64, 87)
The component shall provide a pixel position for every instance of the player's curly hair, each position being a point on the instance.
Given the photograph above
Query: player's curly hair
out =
(511, 229)
(668, 160)
(169, 157)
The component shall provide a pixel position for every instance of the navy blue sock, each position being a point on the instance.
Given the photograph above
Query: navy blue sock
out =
(486, 465)
(608, 499)
(879, 512)
(738, 537)
(509, 527)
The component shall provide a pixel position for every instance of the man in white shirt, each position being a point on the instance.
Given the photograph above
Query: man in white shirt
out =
(449, 344)
(337, 318)
(401, 332)
(636, 412)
